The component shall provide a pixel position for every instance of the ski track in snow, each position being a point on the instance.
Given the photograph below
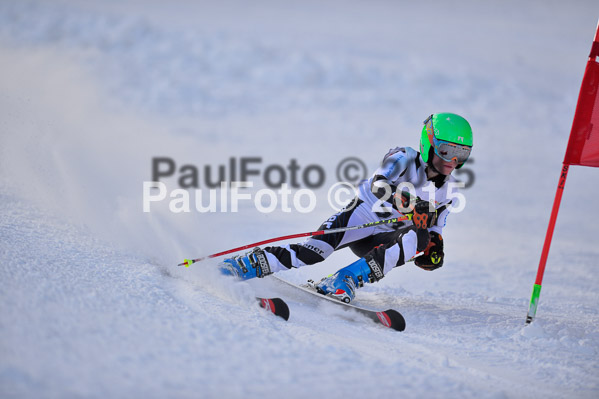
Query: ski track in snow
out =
(92, 304)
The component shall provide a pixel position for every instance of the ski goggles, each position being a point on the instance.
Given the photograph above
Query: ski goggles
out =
(449, 152)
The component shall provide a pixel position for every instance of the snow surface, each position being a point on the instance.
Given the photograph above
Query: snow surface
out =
(91, 302)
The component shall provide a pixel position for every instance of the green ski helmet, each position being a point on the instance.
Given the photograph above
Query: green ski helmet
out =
(448, 135)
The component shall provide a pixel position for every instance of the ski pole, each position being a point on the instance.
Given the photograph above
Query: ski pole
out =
(402, 218)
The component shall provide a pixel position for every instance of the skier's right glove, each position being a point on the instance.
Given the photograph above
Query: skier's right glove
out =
(424, 212)
(423, 218)
(424, 215)
(433, 254)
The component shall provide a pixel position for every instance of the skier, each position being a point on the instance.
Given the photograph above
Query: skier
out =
(407, 183)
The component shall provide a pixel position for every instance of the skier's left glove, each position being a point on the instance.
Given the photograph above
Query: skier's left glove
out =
(433, 255)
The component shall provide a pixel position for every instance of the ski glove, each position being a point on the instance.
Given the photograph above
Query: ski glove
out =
(424, 212)
(423, 217)
(433, 254)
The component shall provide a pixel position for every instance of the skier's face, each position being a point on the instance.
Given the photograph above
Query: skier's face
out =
(443, 166)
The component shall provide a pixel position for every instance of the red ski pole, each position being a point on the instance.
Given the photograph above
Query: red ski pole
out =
(402, 218)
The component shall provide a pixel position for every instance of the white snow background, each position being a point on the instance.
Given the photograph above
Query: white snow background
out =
(92, 303)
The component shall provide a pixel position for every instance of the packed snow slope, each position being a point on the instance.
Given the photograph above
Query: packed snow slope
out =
(92, 303)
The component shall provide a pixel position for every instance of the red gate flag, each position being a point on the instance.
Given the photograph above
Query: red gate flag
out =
(583, 149)
(583, 146)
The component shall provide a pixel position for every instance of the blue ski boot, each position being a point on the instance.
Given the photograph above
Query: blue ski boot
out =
(343, 284)
(252, 264)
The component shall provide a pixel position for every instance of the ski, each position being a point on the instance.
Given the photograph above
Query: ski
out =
(389, 318)
(275, 305)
